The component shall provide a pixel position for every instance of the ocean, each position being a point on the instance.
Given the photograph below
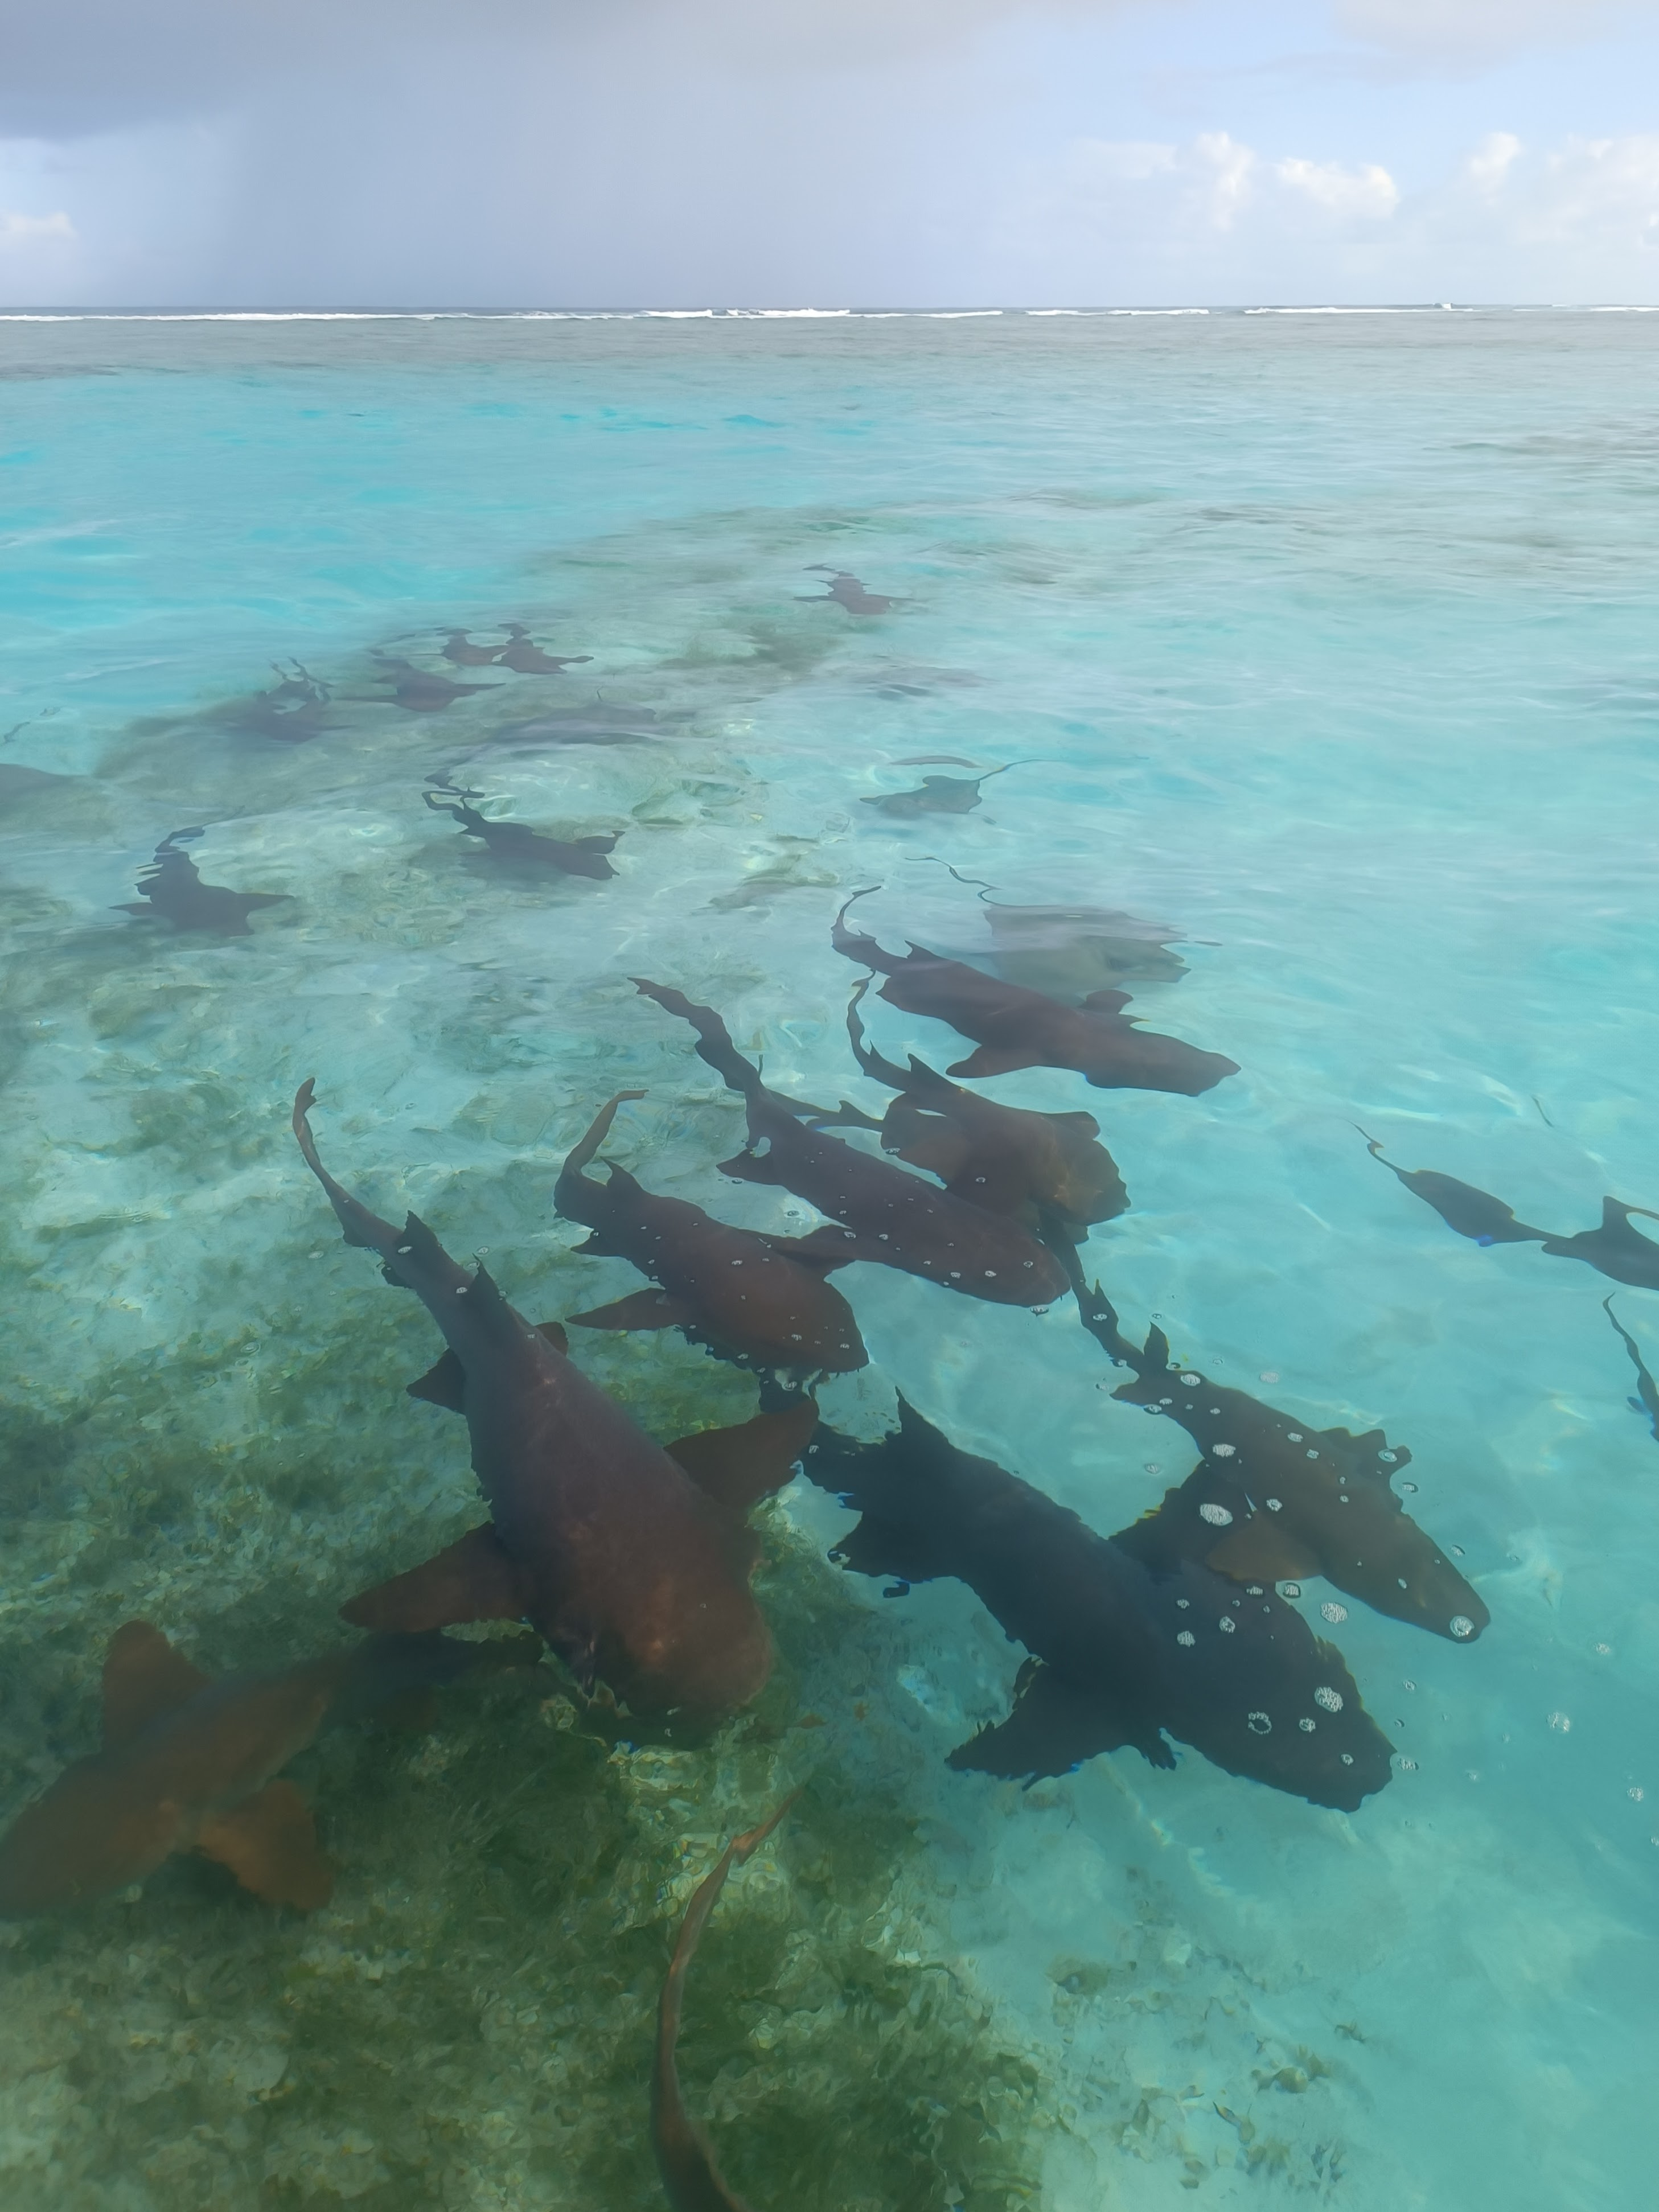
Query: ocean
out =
(1316, 659)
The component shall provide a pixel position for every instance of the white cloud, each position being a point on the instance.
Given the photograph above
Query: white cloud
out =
(1215, 221)
(29, 229)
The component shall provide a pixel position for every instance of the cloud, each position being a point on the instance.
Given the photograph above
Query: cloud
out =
(1212, 220)
(32, 229)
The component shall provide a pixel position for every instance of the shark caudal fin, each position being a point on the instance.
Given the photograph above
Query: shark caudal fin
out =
(740, 1465)
(474, 1579)
(269, 1844)
(143, 1678)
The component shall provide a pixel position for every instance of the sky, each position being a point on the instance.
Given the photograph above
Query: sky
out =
(500, 154)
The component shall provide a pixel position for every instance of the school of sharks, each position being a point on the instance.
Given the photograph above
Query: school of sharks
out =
(630, 1559)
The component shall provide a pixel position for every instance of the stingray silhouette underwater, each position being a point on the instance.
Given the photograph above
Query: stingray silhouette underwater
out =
(635, 1575)
(1129, 1644)
(189, 1764)
(1016, 1028)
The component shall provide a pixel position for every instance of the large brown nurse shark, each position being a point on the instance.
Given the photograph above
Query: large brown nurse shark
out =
(598, 1537)
(729, 1288)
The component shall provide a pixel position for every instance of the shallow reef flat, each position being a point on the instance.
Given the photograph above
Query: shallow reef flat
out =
(1281, 695)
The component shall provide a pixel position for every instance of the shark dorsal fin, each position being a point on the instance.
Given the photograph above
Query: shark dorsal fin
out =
(143, 1678)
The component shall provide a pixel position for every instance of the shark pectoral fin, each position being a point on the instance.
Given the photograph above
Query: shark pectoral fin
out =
(269, 1844)
(639, 1309)
(750, 1167)
(1259, 1550)
(605, 844)
(942, 1149)
(739, 1465)
(143, 1678)
(823, 1248)
(993, 1060)
(472, 1580)
(1107, 1002)
(1055, 1727)
(442, 1384)
(596, 1247)
(554, 1331)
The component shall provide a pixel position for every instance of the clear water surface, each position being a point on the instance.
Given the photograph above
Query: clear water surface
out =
(1326, 642)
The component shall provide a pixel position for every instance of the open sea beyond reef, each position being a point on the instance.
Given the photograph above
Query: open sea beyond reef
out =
(1321, 653)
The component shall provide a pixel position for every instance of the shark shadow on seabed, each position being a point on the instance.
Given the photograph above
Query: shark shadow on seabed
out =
(1126, 1648)
(170, 890)
(517, 842)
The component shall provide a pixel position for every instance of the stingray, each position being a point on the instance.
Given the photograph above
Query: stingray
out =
(1274, 1500)
(876, 1211)
(1125, 1651)
(188, 1765)
(598, 1537)
(516, 840)
(1047, 1168)
(17, 782)
(525, 658)
(170, 890)
(1068, 952)
(420, 690)
(727, 1287)
(1016, 1028)
(937, 794)
(1646, 1401)
(685, 2159)
(845, 589)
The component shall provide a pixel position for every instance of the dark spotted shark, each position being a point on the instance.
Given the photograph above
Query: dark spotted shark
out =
(728, 1287)
(1275, 1501)
(1017, 1028)
(189, 1764)
(876, 1211)
(517, 840)
(170, 890)
(598, 1537)
(1129, 1645)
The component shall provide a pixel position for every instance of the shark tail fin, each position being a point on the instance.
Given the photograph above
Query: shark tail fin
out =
(269, 1844)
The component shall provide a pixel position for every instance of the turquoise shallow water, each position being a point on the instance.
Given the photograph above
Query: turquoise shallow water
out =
(1325, 641)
